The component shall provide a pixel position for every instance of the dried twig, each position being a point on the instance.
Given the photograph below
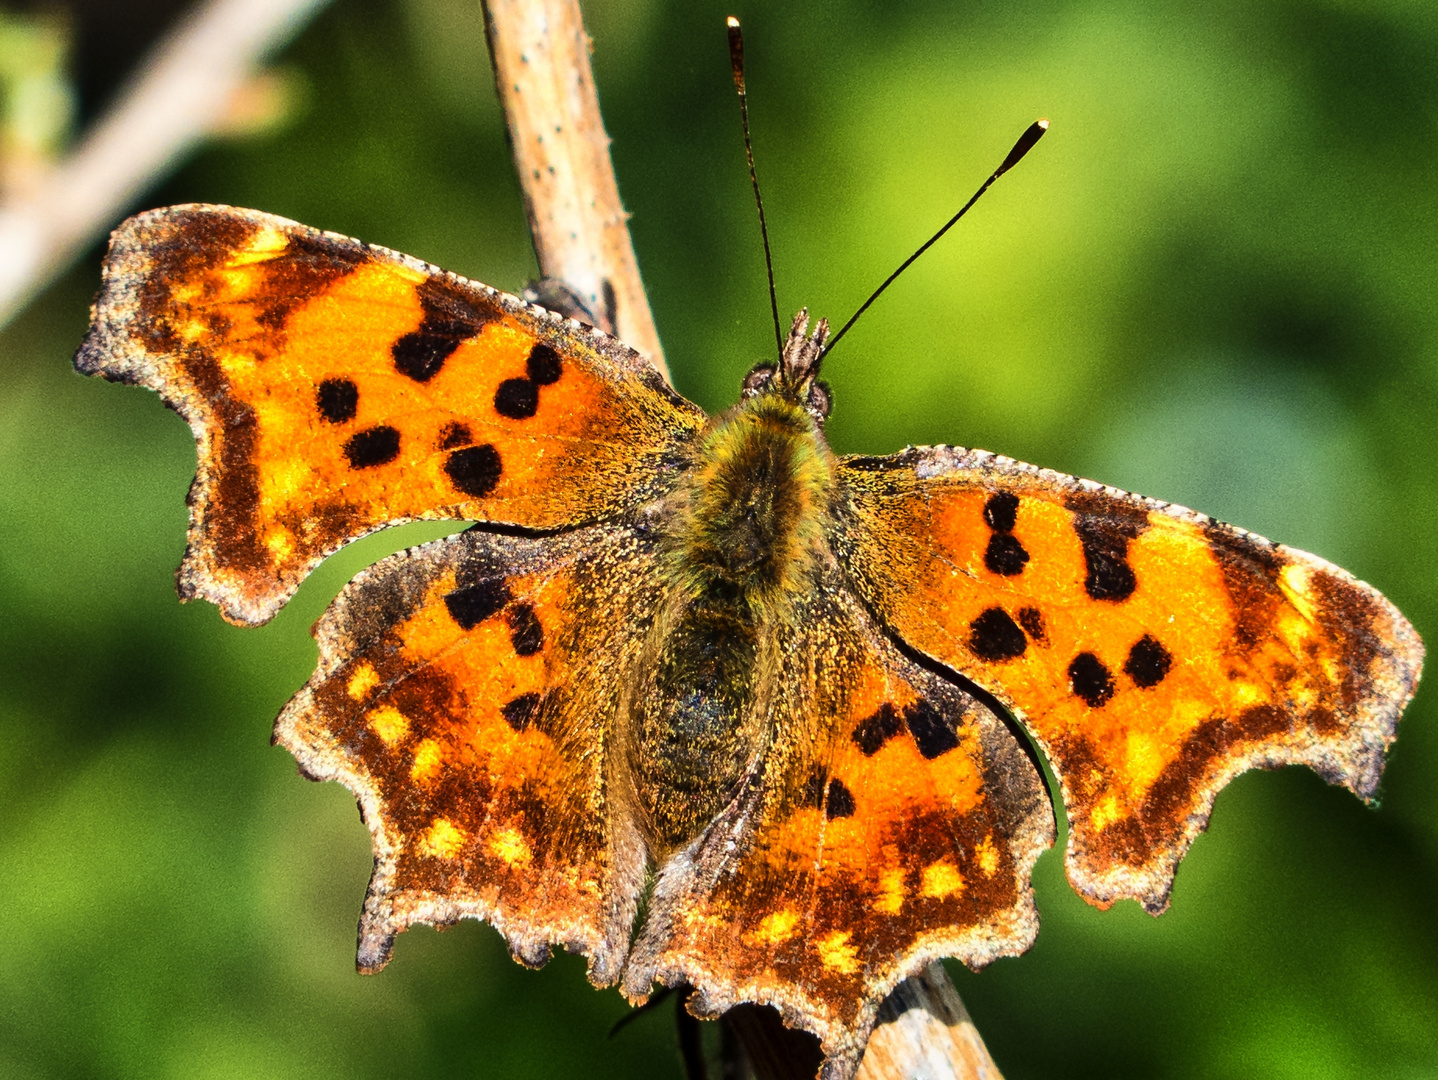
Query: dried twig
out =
(542, 72)
(581, 236)
(925, 1033)
(181, 93)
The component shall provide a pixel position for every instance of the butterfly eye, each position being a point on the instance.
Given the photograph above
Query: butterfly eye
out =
(821, 400)
(758, 380)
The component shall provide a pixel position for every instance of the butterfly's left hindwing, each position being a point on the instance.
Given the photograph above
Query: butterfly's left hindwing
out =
(891, 820)
(335, 388)
(466, 693)
(1152, 652)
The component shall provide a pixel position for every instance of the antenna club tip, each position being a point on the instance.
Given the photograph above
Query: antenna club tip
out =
(1032, 134)
(736, 53)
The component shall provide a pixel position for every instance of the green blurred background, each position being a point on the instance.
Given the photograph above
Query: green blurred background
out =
(1213, 282)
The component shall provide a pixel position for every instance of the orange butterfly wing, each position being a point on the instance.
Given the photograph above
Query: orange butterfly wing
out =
(465, 694)
(893, 819)
(335, 388)
(1152, 652)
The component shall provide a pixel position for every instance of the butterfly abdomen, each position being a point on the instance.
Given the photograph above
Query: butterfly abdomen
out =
(694, 725)
(744, 541)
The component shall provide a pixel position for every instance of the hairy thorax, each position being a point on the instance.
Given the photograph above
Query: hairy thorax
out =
(742, 541)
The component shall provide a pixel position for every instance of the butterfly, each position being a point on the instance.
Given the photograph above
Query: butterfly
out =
(696, 697)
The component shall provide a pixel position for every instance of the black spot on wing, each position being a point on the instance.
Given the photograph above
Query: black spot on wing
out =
(544, 365)
(373, 446)
(517, 399)
(519, 712)
(1148, 662)
(472, 604)
(1005, 555)
(420, 354)
(1001, 511)
(525, 632)
(839, 802)
(1105, 524)
(454, 435)
(1032, 620)
(475, 470)
(337, 400)
(995, 636)
(1090, 679)
(934, 733)
(1109, 575)
(873, 733)
(449, 320)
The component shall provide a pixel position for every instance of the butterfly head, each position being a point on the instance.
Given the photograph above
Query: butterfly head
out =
(796, 376)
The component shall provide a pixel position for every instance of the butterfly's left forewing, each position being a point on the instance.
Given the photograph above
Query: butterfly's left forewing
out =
(1152, 652)
(335, 387)
(891, 820)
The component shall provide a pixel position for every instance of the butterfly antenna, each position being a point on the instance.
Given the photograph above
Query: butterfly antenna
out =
(736, 62)
(1026, 143)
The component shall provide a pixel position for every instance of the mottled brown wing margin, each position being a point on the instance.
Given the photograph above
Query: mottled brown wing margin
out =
(465, 694)
(1152, 652)
(893, 820)
(336, 387)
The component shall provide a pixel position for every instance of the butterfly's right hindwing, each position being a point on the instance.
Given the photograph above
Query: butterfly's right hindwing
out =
(466, 695)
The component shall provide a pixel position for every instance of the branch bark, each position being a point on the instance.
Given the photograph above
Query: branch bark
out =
(581, 236)
(181, 93)
(581, 233)
(925, 1033)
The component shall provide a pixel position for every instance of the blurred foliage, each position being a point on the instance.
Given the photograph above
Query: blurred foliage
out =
(1213, 282)
(37, 102)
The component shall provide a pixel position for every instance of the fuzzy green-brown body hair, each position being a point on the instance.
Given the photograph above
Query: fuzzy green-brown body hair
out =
(758, 503)
(744, 538)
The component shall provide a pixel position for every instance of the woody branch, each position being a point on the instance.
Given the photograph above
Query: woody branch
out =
(580, 230)
(581, 237)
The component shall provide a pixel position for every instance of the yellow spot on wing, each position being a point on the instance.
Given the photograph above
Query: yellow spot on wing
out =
(428, 757)
(443, 840)
(280, 542)
(941, 879)
(362, 681)
(264, 245)
(1105, 813)
(389, 724)
(291, 478)
(775, 928)
(510, 847)
(836, 954)
(1293, 583)
(1145, 755)
(1294, 628)
(1247, 693)
(987, 855)
(891, 892)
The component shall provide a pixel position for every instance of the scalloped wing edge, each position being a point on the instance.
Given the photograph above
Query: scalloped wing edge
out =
(382, 919)
(1357, 765)
(111, 350)
(843, 1045)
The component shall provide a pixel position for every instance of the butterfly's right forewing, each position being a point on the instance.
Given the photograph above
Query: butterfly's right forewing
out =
(335, 388)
